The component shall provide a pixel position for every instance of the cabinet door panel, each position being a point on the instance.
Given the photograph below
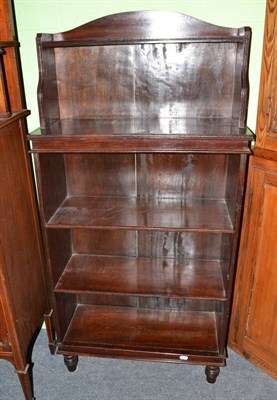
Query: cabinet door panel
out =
(261, 327)
(255, 324)
(21, 268)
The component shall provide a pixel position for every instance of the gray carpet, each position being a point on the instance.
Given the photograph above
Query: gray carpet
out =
(105, 379)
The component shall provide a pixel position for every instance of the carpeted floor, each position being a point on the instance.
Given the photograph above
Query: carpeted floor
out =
(105, 379)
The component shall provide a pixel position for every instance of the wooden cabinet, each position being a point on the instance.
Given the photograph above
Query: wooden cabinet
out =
(23, 299)
(141, 171)
(255, 325)
(253, 330)
(22, 287)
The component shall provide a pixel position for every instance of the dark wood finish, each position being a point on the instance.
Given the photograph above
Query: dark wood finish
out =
(159, 134)
(151, 331)
(143, 276)
(71, 363)
(102, 241)
(253, 328)
(22, 283)
(157, 80)
(5, 106)
(23, 297)
(135, 213)
(9, 43)
(140, 166)
(212, 373)
(148, 302)
(130, 27)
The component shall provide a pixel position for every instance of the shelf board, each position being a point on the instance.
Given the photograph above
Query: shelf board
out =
(142, 330)
(142, 134)
(143, 277)
(143, 214)
(186, 127)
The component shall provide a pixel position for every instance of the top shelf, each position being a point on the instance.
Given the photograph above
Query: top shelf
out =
(163, 134)
(188, 127)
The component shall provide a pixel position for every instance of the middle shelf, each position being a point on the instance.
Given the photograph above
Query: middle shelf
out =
(143, 277)
(143, 213)
(158, 192)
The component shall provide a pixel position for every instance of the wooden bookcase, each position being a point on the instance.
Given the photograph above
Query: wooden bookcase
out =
(141, 171)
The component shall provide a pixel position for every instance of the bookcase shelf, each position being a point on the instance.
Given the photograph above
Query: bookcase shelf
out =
(123, 134)
(135, 213)
(152, 331)
(143, 277)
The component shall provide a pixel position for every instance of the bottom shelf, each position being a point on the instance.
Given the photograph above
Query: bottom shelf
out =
(115, 331)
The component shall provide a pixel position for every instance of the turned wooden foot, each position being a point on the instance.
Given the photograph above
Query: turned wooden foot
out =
(71, 362)
(212, 373)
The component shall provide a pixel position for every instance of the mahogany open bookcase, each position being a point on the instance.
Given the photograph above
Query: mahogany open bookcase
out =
(140, 165)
